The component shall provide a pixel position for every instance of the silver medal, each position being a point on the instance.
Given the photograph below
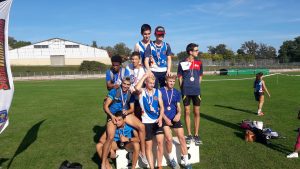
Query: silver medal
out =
(169, 108)
(158, 63)
(192, 79)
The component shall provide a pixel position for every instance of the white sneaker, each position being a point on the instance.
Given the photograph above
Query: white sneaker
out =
(292, 155)
(144, 159)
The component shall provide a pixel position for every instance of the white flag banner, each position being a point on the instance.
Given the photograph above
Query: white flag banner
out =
(6, 81)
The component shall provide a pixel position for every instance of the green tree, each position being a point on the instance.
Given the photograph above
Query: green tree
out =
(266, 52)
(250, 48)
(13, 43)
(94, 44)
(122, 50)
(290, 51)
(182, 55)
(221, 49)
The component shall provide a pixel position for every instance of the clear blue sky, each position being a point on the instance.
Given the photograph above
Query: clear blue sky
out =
(206, 22)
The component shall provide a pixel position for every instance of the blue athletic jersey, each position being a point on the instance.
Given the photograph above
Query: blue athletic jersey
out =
(175, 99)
(142, 50)
(117, 104)
(191, 69)
(149, 116)
(127, 131)
(158, 56)
(258, 86)
(116, 77)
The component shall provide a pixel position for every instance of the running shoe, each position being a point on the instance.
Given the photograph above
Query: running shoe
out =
(292, 155)
(144, 159)
(188, 139)
(197, 140)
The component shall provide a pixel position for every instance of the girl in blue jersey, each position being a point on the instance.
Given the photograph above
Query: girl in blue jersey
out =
(152, 112)
(259, 89)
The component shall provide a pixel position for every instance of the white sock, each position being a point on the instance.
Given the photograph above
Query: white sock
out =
(186, 159)
(171, 156)
(259, 110)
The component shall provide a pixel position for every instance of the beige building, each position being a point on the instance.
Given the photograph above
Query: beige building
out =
(57, 52)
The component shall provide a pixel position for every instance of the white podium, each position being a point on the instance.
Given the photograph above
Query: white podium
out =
(123, 160)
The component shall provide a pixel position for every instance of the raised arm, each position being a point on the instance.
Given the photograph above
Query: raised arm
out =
(139, 85)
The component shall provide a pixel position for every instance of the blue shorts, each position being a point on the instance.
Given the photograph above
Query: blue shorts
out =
(160, 77)
(257, 95)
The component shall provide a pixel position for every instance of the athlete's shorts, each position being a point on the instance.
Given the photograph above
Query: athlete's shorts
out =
(160, 77)
(195, 98)
(175, 125)
(152, 129)
(121, 145)
(137, 110)
(257, 95)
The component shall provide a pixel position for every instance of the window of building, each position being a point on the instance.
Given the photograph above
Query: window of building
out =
(71, 46)
(40, 46)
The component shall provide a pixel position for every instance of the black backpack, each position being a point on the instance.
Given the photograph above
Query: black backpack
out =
(67, 165)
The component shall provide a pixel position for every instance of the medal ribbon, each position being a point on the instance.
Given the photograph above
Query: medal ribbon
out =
(122, 97)
(192, 72)
(149, 98)
(169, 100)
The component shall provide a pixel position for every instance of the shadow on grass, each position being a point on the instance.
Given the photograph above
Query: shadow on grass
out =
(98, 130)
(240, 133)
(234, 108)
(2, 160)
(222, 122)
(29, 139)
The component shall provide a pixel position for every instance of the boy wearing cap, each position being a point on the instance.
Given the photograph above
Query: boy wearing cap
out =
(190, 73)
(142, 45)
(158, 57)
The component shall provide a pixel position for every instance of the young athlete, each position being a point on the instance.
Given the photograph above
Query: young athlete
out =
(171, 119)
(137, 71)
(190, 71)
(125, 138)
(158, 57)
(115, 74)
(259, 89)
(142, 45)
(120, 99)
(152, 113)
(297, 147)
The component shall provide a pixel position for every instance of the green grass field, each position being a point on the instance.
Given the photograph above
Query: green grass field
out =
(51, 121)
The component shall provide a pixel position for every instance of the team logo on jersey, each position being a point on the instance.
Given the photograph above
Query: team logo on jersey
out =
(164, 52)
(155, 98)
(3, 118)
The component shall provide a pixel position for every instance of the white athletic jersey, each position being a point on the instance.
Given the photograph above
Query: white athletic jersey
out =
(141, 48)
(146, 102)
(158, 56)
(135, 75)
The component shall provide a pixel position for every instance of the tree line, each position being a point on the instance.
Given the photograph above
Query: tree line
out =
(248, 52)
